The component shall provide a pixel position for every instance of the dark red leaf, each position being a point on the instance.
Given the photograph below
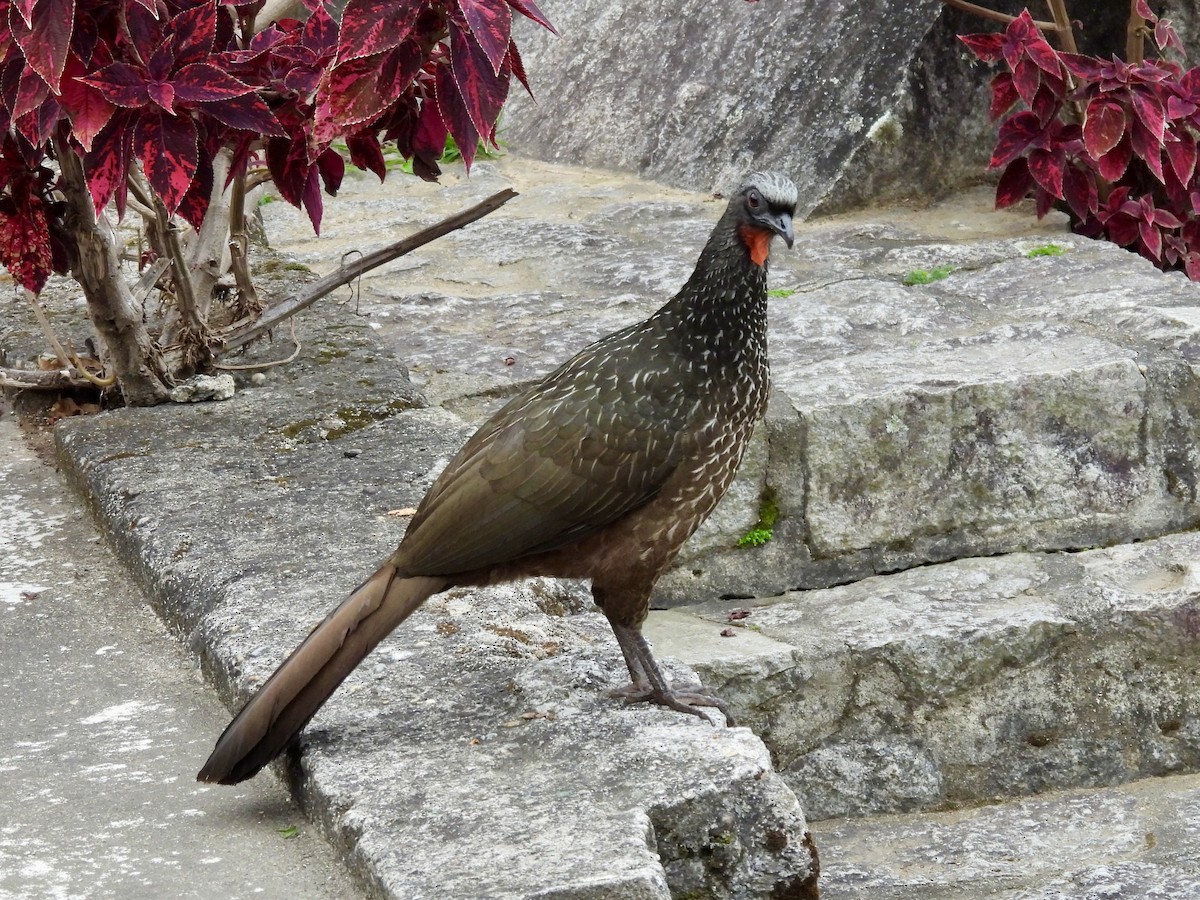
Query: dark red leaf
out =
(1079, 190)
(168, 148)
(192, 33)
(1016, 134)
(31, 93)
(25, 244)
(361, 89)
(1165, 34)
(87, 109)
(1103, 126)
(987, 47)
(195, 202)
(1122, 230)
(310, 198)
(1182, 154)
(1191, 233)
(1164, 218)
(1043, 202)
(1114, 163)
(490, 23)
(163, 94)
(1151, 239)
(1085, 68)
(287, 161)
(333, 169)
(46, 38)
(145, 30)
(429, 138)
(1150, 111)
(530, 10)
(1043, 55)
(366, 154)
(1191, 265)
(454, 113)
(245, 113)
(121, 84)
(320, 33)
(483, 91)
(37, 125)
(372, 26)
(1148, 149)
(1027, 78)
(1142, 8)
(108, 161)
(518, 67)
(1046, 105)
(1178, 108)
(1017, 35)
(1015, 184)
(204, 83)
(1046, 167)
(429, 141)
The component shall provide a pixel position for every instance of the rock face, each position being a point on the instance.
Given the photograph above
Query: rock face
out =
(860, 102)
(968, 681)
(864, 103)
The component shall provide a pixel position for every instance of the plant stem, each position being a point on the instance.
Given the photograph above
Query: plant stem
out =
(346, 274)
(1135, 36)
(115, 314)
(995, 16)
(1062, 23)
(238, 243)
(193, 332)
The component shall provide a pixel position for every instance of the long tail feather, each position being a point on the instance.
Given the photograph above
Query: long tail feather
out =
(308, 677)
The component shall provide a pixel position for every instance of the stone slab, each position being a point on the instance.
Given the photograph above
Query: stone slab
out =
(475, 753)
(1134, 841)
(966, 682)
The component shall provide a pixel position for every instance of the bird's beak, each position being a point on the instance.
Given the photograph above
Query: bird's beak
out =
(783, 228)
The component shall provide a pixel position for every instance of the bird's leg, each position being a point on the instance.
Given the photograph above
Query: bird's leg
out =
(649, 683)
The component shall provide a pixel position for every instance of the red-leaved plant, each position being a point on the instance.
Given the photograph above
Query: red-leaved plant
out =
(167, 105)
(1112, 143)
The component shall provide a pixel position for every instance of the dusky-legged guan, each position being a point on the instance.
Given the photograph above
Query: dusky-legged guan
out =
(601, 470)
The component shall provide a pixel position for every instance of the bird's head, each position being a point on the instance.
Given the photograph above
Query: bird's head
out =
(765, 204)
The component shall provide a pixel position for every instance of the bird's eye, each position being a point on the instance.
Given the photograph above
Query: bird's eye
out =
(753, 200)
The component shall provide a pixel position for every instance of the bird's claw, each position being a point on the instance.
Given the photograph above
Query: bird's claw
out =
(684, 700)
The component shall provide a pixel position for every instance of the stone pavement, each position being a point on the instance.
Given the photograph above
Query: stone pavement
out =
(104, 715)
(976, 433)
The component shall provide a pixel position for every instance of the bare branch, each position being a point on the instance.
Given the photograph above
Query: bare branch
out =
(1062, 21)
(40, 380)
(346, 274)
(995, 16)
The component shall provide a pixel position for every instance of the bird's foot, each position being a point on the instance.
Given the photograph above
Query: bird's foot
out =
(685, 699)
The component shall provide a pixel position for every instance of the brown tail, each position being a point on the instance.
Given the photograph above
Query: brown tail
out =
(312, 673)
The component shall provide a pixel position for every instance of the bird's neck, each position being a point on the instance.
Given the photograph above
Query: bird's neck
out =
(723, 306)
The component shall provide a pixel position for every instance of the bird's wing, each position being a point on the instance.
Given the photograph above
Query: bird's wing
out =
(557, 463)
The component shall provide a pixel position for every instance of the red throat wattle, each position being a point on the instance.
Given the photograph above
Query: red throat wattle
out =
(758, 242)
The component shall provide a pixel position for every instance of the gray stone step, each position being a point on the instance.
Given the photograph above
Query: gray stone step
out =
(965, 682)
(1020, 404)
(1135, 841)
(475, 753)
